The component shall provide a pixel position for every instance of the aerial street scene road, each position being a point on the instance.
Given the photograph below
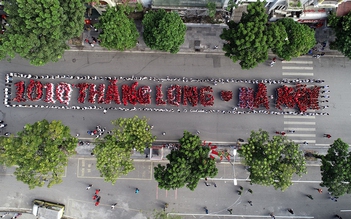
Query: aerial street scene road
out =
(185, 109)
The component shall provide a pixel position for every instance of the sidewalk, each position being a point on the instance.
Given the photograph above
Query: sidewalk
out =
(86, 150)
(200, 39)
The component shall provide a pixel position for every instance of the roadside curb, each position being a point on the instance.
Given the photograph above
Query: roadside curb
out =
(331, 54)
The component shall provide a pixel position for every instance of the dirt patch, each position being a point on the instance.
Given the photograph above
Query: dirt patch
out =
(76, 41)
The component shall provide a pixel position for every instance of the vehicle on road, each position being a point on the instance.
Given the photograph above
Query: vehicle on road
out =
(47, 210)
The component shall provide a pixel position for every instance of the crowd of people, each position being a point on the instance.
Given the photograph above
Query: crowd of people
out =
(242, 103)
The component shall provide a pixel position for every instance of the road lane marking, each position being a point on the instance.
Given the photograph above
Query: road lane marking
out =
(297, 67)
(298, 62)
(298, 73)
(298, 123)
(299, 117)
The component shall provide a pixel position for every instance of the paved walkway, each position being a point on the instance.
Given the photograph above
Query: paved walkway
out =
(85, 150)
(201, 39)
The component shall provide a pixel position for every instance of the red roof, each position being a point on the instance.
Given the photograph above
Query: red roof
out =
(343, 9)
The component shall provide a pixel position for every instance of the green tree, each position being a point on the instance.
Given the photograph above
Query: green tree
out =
(276, 35)
(300, 39)
(40, 152)
(247, 40)
(163, 30)
(336, 168)
(341, 27)
(211, 9)
(272, 161)
(186, 165)
(119, 31)
(113, 152)
(39, 30)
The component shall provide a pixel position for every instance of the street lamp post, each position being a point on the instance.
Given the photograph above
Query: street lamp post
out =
(234, 180)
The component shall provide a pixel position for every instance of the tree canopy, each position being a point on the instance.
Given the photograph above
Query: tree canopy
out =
(186, 165)
(300, 39)
(272, 161)
(336, 168)
(40, 151)
(39, 30)
(163, 30)
(247, 40)
(119, 31)
(341, 27)
(251, 38)
(113, 152)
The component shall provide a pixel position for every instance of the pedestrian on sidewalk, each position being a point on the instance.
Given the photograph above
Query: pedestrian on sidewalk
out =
(95, 197)
(215, 185)
(320, 191)
(136, 190)
(337, 216)
(292, 131)
(206, 210)
(89, 186)
(305, 143)
(230, 211)
(97, 191)
(206, 183)
(272, 215)
(291, 211)
(6, 213)
(249, 190)
(165, 207)
(310, 197)
(113, 206)
(250, 202)
(16, 215)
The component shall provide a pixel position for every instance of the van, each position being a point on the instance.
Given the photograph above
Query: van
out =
(47, 210)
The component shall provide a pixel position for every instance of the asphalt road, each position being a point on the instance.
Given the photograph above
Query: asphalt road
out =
(79, 204)
(212, 126)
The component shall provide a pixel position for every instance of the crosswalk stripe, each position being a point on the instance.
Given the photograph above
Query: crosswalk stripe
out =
(301, 129)
(301, 135)
(302, 141)
(298, 117)
(325, 145)
(297, 67)
(298, 62)
(298, 73)
(299, 123)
